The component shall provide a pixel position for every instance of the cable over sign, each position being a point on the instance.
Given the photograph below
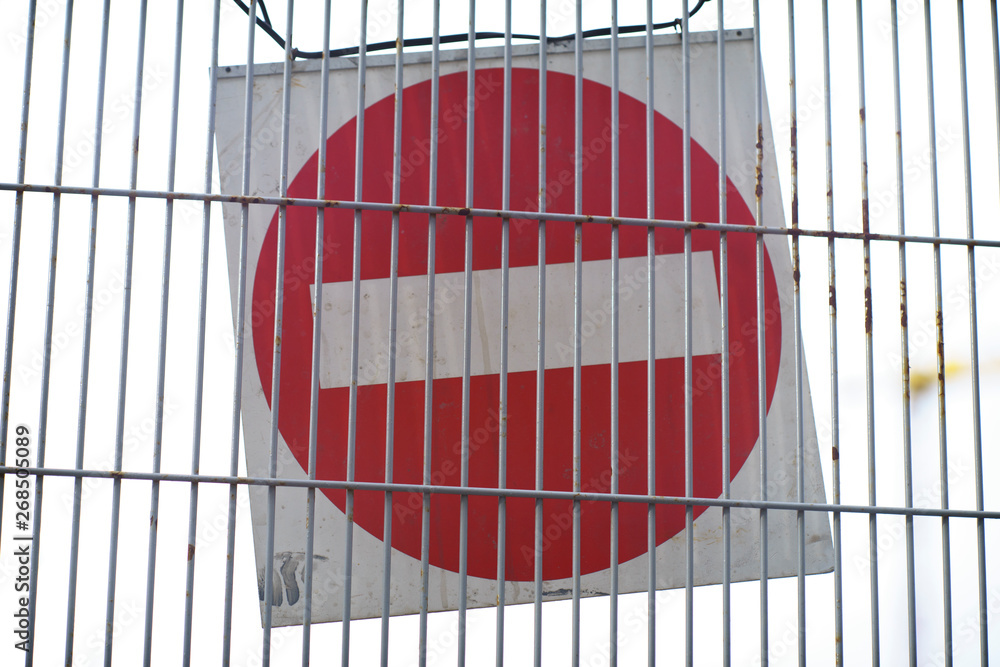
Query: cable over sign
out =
(335, 313)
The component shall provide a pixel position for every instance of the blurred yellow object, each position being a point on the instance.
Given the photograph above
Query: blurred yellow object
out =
(922, 379)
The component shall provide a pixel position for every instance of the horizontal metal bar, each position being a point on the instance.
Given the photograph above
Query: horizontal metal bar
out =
(492, 213)
(504, 493)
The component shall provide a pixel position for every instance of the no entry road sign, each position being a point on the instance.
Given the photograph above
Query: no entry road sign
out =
(336, 310)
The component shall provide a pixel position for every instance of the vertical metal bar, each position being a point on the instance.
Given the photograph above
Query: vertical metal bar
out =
(279, 298)
(911, 614)
(869, 347)
(800, 516)
(504, 353)
(470, 145)
(720, 37)
(200, 363)
(238, 337)
(425, 534)
(688, 351)
(995, 40)
(154, 501)
(123, 355)
(15, 252)
(977, 445)
(43, 410)
(307, 579)
(81, 421)
(761, 328)
(979, 469)
(352, 423)
(577, 322)
(939, 317)
(390, 419)
(615, 306)
(838, 599)
(540, 371)
(650, 346)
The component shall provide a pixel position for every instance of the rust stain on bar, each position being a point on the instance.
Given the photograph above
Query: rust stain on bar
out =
(902, 304)
(868, 309)
(759, 190)
(940, 350)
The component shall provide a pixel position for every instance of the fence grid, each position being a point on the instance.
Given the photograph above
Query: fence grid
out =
(718, 502)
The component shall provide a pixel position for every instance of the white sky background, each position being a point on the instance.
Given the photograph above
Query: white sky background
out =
(180, 378)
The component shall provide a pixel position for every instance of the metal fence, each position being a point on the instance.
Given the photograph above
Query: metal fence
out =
(123, 372)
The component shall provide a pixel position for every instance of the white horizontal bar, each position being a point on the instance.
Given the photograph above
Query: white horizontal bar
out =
(449, 296)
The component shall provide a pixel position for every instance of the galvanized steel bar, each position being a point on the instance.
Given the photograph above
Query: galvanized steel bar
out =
(540, 369)
(650, 346)
(425, 534)
(154, 501)
(200, 361)
(470, 139)
(911, 604)
(390, 418)
(962, 241)
(720, 37)
(88, 311)
(761, 325)
(43, 409)
(838, 574)
(238, 339)
(425, 527)
(279, 300)
(995, 42)
(123, 353)
(615, 307)
(869, 345)
(688, 349)
(321, 157)
(800, 517)
(15, 251)
(577, 323)
(504, 339)
(352, 424)
(492, 492)
(939, 334)
(976, 397)
(977, 437)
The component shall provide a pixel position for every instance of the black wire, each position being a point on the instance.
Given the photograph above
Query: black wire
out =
(265, 24)
(263, 10)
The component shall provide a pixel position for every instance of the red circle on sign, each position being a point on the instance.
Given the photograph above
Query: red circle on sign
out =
(334, 407)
